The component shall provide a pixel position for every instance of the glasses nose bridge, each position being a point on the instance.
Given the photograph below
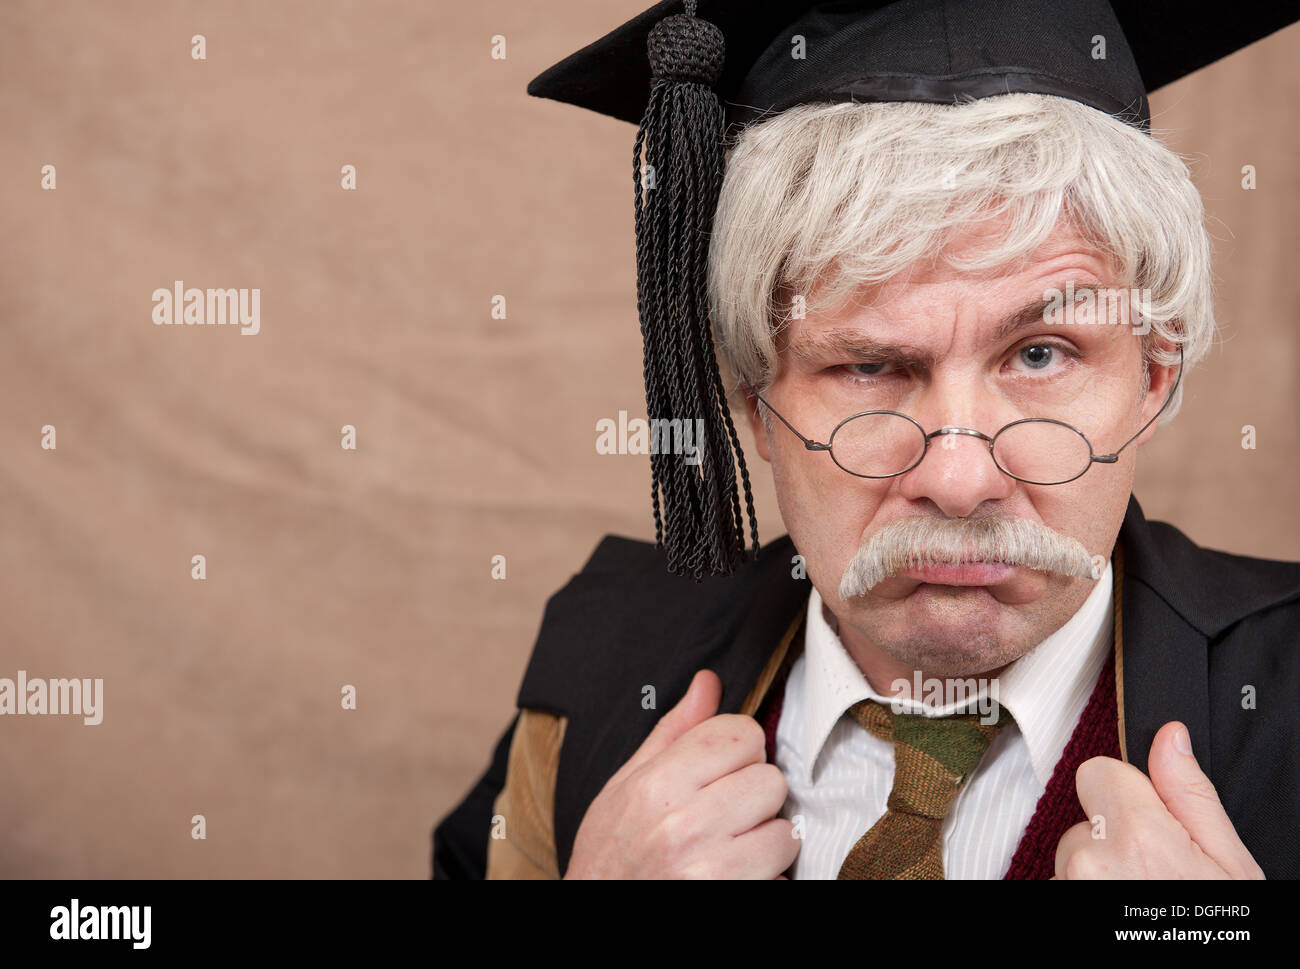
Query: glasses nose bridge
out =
(949, 429)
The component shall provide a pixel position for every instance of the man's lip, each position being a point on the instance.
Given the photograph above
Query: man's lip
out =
(971, 573)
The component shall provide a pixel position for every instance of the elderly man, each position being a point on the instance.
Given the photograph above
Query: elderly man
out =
(954, 287)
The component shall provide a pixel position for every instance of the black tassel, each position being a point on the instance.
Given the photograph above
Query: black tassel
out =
(681, 143)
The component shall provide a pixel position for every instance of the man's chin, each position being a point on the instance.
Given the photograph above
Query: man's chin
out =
(948, 630)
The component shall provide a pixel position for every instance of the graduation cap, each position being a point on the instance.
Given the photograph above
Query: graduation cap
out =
(693, 74)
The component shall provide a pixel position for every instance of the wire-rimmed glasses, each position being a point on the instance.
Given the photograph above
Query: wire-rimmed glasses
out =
(1034, 450)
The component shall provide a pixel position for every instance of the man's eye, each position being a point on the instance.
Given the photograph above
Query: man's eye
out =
(867, 369)
(1037, 356)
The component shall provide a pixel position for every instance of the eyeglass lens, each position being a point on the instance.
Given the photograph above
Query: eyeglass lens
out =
(880, 445)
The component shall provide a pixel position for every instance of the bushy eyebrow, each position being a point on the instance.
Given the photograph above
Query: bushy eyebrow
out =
(856, 345)
(1028, 316)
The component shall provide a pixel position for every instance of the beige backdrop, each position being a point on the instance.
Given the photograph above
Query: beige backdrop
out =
(475, 435)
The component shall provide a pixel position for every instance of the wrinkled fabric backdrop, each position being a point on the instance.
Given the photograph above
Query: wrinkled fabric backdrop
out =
(475, 435)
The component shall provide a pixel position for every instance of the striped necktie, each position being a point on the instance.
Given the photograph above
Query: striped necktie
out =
(933, 757)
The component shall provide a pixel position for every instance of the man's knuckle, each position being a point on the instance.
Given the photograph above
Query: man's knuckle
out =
(1094, 769)
(678, 828)
(698, 869)
(654, 788)
(739, 729)
(770, 779)
(755, 739)
(1081, 865)
(1203, 793)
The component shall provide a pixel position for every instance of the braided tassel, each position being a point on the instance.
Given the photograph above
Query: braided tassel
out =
(680, 141)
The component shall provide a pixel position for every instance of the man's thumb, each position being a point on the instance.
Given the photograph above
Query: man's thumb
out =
(699, 704)
(1191, 798)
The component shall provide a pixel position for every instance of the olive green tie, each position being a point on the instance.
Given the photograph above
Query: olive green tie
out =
(933, 757)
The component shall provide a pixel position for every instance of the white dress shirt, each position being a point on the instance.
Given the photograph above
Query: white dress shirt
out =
(839, 775)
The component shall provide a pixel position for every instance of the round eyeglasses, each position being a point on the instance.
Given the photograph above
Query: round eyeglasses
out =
(1034, 450)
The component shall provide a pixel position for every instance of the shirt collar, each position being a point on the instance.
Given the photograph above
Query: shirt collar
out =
(1045, 690)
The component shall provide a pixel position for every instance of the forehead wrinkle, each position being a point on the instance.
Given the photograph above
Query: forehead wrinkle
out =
(850, 342)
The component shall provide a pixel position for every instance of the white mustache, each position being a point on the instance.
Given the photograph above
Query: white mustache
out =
(917, 541)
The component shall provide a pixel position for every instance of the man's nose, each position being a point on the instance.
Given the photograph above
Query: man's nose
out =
(958, 473)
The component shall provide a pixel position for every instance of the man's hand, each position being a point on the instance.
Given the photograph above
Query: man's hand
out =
(1171, 826)
(697, 800)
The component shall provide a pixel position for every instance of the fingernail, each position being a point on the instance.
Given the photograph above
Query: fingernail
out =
(1183, 742)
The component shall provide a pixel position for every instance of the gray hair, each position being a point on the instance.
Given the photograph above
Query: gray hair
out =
(923, 540)
(847, 195)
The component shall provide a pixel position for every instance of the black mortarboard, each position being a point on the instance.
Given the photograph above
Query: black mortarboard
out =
(691, 79)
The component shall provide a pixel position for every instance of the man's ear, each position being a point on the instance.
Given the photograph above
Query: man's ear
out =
(745, 396)
(1162, 379)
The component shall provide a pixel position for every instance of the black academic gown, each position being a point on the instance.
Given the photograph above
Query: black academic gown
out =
(1210, 639)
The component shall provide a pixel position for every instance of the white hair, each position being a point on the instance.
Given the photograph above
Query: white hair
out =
(846, 195)
(925, 540)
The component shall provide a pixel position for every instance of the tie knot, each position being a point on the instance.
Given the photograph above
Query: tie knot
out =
(933, 756)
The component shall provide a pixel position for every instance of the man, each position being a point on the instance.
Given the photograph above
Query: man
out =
(954, 284)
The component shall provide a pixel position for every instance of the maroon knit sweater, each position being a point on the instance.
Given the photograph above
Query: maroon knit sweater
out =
(1058, 810)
